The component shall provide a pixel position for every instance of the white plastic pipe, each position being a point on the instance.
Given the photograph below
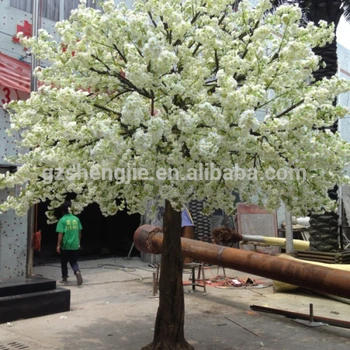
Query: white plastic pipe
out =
(301, 221)
(276, 241)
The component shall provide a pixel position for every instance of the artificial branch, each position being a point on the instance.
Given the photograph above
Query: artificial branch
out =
(98, 59)
(216, 61)
(233, 125)
(195, 17)
(191, 44)
(289, 109)
(203, 126)
(152, 104)
(120, 53)
(178, 42)
(269, 101)
(152, 20)
(196, 49)
(170, 36)
(166, 109)
(123, 80)
(277, 151)
(186, 151)
(89, 143)
(168, 32)
(119, 94)
(106, 109)
(251, 34)
(276, 55)
(127, 82)
(222, 18)
(138, 50)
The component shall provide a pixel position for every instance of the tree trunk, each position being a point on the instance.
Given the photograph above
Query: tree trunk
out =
(169, 327)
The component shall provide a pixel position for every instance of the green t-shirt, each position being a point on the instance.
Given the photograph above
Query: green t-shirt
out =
(70, 226)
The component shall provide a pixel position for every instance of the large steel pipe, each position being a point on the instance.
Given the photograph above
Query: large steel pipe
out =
(318, 278)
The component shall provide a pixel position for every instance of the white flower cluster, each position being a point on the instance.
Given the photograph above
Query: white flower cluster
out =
(180, 83)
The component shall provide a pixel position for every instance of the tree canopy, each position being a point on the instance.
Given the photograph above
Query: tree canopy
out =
(180, 85)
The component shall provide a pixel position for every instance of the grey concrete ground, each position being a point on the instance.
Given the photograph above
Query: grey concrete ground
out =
(115, 309)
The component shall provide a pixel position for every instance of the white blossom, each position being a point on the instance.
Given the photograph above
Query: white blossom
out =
(160, 86)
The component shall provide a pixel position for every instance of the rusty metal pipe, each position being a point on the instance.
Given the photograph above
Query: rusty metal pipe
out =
(318, 278)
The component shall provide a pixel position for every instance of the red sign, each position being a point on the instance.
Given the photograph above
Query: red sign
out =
(7, 95)
(26, 29)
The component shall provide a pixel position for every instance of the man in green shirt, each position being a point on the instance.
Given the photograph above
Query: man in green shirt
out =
(68, 243)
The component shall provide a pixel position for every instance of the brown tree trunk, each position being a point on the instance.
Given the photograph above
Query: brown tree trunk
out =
(169, 327)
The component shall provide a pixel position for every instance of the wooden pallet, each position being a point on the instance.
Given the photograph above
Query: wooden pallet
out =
(342, 257)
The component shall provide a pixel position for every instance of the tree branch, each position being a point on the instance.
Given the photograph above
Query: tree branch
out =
(106, 109)
(138, 50)
(195, 17)
(89, 143)
(123, 80)
(120, 53)
(196, 49)
(186, 151)
(222, 18)
(119, 94)
(216, 61)
(166, 27)
(152, 20)
(98, 59)
(152, 103)
(289, 109)
(251, 34)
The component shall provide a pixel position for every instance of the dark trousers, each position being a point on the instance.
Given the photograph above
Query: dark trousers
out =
(70, 256)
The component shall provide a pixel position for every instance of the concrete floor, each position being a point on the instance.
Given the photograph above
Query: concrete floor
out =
(115, 309)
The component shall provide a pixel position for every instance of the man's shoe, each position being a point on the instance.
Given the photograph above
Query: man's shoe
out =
(79, 278)
(64, 280)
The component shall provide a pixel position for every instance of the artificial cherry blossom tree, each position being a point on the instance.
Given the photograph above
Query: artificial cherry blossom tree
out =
(178, 84)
